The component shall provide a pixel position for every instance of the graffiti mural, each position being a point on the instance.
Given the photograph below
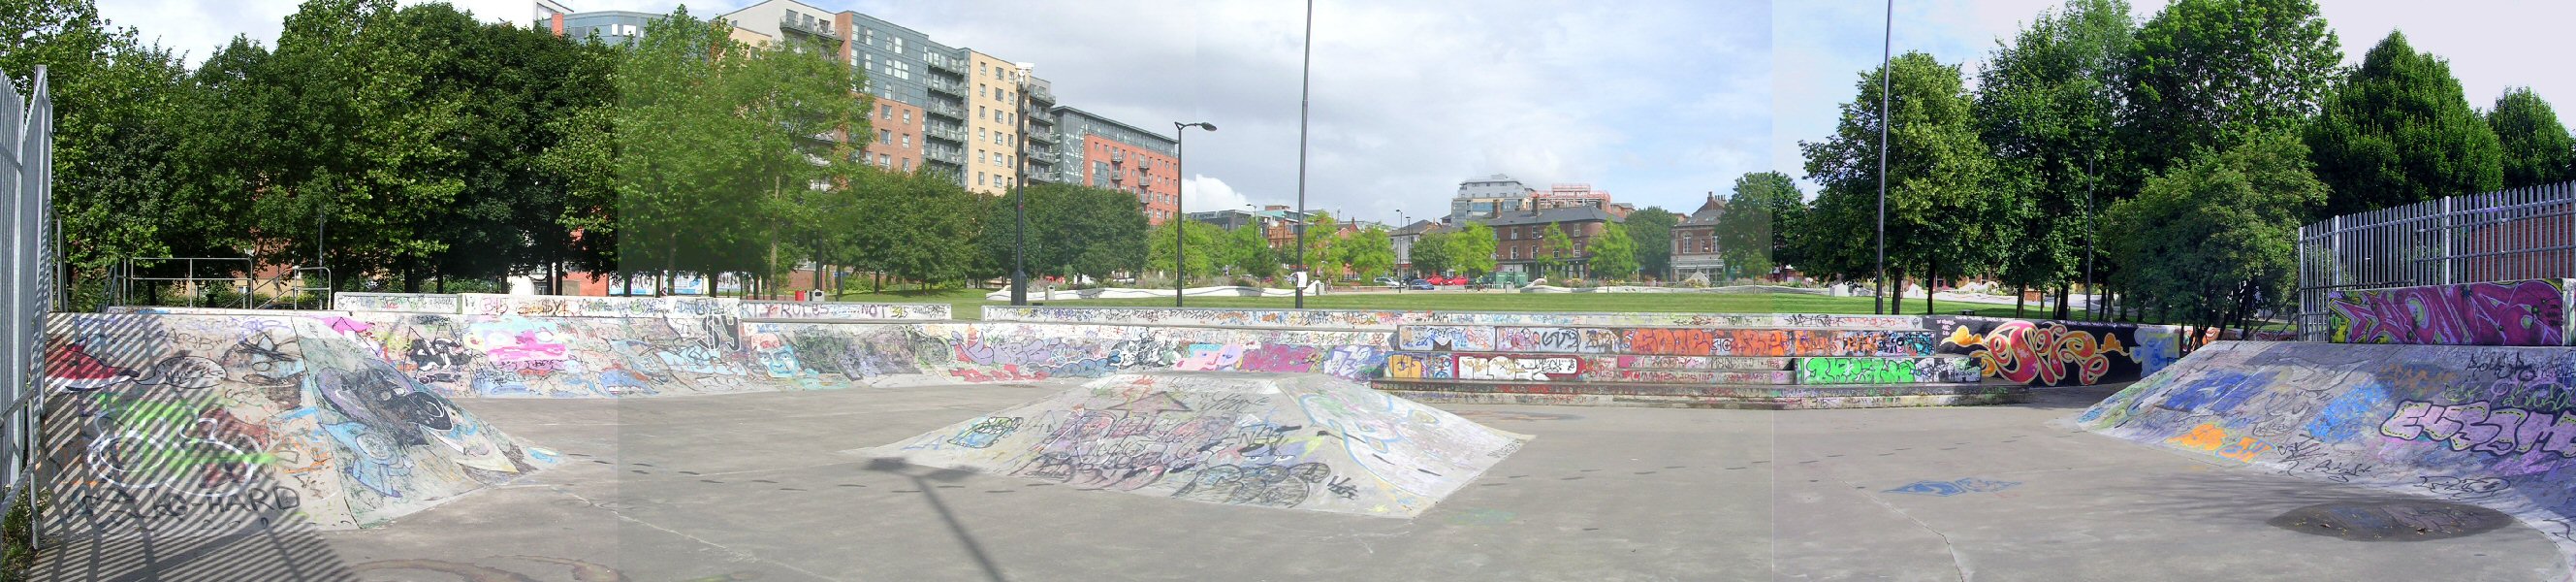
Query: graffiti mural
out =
(823, 310)
(1925, 370)
(1302, 442)
(2059, 353)
(210, 423)
(396, 302)
(1389, 320)
(2510, 313)
(2491, 426)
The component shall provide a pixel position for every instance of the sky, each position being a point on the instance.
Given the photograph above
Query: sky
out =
(1659, 102)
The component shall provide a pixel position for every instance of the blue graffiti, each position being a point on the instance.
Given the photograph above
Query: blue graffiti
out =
(2214, 393)
(2351, 415)
(1950, 488)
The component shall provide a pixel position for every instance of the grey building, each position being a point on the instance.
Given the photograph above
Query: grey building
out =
(905, 66)
(1488, 197)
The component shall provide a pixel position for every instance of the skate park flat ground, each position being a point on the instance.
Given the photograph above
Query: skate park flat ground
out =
(756, 487)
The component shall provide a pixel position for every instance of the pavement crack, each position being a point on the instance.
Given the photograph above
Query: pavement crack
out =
(1957, 562)
(735, 555)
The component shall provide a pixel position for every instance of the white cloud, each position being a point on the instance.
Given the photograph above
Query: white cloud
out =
(1204, 194)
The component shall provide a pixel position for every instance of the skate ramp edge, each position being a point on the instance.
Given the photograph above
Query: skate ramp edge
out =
(2482, 425)
(168, 425)
(1301, 441)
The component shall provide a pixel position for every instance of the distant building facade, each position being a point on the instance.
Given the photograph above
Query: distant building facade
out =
(1104, 153)
(1695, 243)
(1520, 240)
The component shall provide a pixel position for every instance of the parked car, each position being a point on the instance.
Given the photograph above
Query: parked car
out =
(1419, 285)
(1388, 282)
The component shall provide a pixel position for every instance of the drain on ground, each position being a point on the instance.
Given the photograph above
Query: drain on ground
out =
(2402, 521)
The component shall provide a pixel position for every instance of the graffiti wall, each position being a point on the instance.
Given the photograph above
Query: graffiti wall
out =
(1924, 370)
(822, 310)
(578, 306)
(1666, 341)
(211, 424)
(1585, 368)
(2490, 426)
(1389, 320)
(2059, 353)
(1315, 318)
(1008, 351)
(396, 302)
(1308, 443)
(2508, 313)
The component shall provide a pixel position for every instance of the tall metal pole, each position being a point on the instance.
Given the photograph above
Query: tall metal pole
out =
(1305, 83)
(1886, 62)
(1020, 246)
(2090, 233)
(1180, 216)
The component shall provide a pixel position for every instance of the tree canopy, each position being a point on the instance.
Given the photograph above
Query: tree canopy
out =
(2537, 149)
(2398, 131)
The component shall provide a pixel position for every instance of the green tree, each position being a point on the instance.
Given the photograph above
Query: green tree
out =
(1431, 252)
(2211, 241)
(1556, 251)
(2400, 131)
(1073, 230)
(1471, 250)
(1205, 252)
(1248, 251)
(1322, 233)
(1614, 254)
(2203, 71)
(1753, 233)
(2047, 105)
(920, 226)
(1651, 230)
(2537, 150)
(1371, 253)
(1939, 206)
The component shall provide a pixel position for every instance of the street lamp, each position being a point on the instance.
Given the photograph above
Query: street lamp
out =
(1886, 64)
(1180, 230)
(1305, 85)
(1020, 246)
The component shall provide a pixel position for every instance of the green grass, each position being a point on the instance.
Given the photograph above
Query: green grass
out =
(966, 303)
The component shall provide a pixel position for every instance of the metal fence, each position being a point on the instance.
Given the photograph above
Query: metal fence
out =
(26, 202)
(2522, 233)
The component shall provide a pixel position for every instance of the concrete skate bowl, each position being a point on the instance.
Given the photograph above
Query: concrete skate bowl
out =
(2487, 426)
(168, 426)
(1301, 441)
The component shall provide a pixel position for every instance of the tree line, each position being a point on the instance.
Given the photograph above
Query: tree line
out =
(408, 147)
(2173, 159)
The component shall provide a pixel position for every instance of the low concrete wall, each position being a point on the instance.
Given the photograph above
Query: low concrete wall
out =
(2491, 426)
(1389, 319)
(836, 311)
(2536, 312)
(396, 302)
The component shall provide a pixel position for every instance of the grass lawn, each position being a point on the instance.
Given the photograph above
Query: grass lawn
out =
(966, 303)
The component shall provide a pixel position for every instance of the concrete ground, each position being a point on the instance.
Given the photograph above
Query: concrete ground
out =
(753, 487)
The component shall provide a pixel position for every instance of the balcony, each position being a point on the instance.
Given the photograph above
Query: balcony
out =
(1118, 156)
(1038, 116)
(950, 134)
(940, 61)
(1039, 93)
(946, 86)
(1046, 137)
(816, 27)
(950, 111)
(957, 157)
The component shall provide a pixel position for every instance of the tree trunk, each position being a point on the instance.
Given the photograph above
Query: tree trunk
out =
(2062, 308)
(1931, 284)
(2019, 292)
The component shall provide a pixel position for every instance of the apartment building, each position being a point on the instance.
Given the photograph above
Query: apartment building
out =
(1520, 239)
(1695, 252)
(1103, 153)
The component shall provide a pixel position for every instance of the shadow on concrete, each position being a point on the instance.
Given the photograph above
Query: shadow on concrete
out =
(922, 482)
(2068, 398)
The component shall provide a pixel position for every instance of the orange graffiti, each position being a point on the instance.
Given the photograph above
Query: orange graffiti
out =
(2206, 437)
(1669, 342)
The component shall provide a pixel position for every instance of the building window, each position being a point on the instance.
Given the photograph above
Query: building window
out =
(907, 140)
(907, 164)
(884, 136)
(896, 42)
(979, 178)
(979, 89)
(1511, 234)
(869, 36)
(883, 161)
(981, 68)
(885, 112)
(907, 116)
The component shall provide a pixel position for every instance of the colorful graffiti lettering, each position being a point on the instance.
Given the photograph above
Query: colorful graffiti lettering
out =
(2474, 426)
(2512, 313)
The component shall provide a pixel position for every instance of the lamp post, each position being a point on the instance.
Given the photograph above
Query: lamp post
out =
(1305, 84)
(1886, 62)
(1019, 246)
(1180, 228)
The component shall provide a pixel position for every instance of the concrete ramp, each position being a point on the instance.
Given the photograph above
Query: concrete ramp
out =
(202, 424)
(2489, 426)
(1303, 441)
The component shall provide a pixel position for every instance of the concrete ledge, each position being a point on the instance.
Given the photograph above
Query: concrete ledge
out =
(1641, 401)
(1737, 391)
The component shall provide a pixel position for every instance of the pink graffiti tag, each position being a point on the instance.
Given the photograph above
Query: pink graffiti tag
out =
(2517, 313)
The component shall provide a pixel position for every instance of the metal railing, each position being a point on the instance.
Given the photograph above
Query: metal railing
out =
(945, 86)
(952, 111)
(2521, 233)
(27, 205)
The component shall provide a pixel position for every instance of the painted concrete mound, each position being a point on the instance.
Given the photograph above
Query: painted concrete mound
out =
(1301, 441)
(175, 424)
(2490, 426)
